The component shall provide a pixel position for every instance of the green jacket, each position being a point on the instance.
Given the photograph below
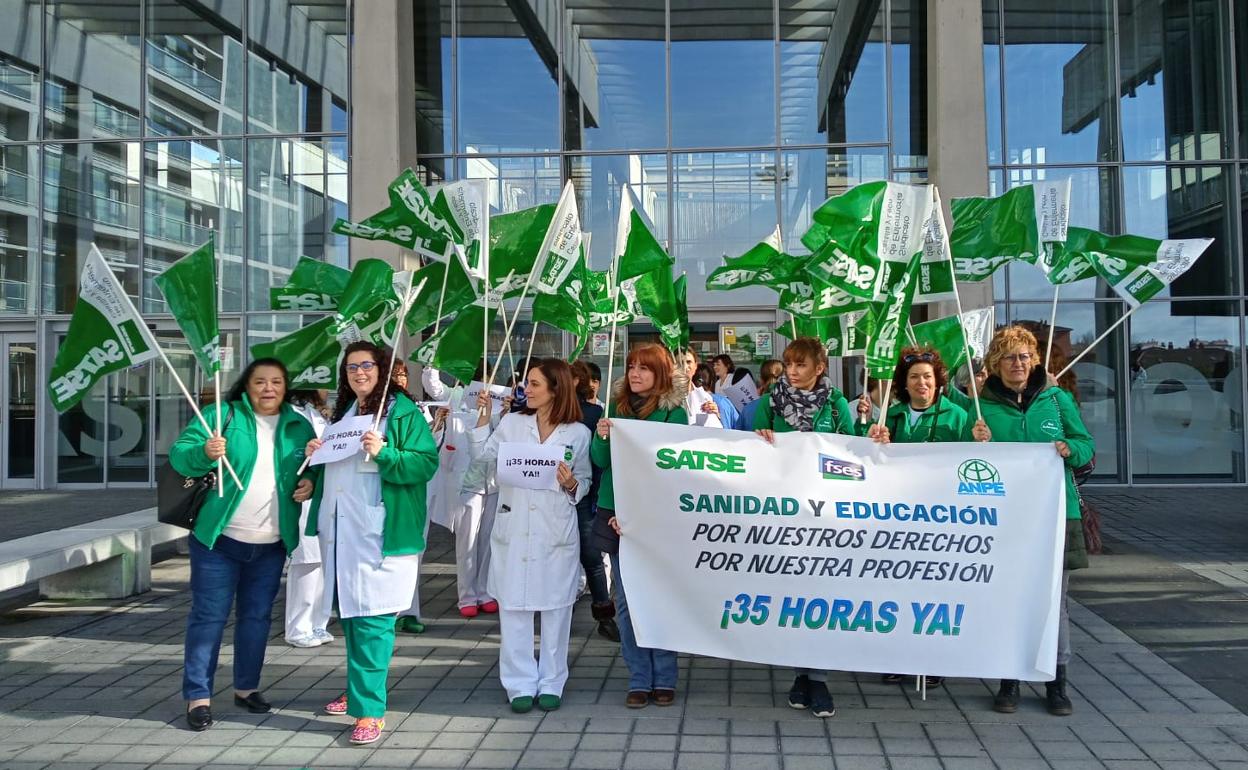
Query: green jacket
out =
(833, 417)
(1041, 413)
(671, 410)
(293, 433)
(406, 464)
(943, 421)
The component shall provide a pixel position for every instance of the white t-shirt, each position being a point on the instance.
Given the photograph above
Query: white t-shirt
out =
(916, 415)
(255, 520)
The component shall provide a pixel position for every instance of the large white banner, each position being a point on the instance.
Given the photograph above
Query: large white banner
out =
(833, 552)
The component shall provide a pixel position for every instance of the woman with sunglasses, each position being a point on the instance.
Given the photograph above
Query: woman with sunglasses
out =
(923, 413)
(370, 511)
(1019, 404)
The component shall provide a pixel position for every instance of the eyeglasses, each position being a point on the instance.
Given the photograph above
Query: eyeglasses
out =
(926, 358)
(363, 366)
(1017, 358)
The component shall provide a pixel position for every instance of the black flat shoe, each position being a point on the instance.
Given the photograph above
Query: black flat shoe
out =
(255, 703)
(199, 718)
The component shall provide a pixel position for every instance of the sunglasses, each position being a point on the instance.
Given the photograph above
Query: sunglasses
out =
(926, 358)
(363, 366)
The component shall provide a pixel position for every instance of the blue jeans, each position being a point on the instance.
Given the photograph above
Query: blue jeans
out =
(591, 557)
(648, 668)
(229, 571)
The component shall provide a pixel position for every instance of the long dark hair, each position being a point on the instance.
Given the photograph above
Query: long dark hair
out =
(564, 409)
(239, 389)
(372, 402)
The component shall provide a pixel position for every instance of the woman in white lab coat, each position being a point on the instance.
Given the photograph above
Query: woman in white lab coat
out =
(370, 512)
(307, 613)
(535, 545)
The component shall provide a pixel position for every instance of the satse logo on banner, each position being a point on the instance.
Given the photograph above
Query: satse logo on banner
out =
(979, 477)
(833, 469)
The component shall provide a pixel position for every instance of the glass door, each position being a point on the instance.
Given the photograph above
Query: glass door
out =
(17, 411)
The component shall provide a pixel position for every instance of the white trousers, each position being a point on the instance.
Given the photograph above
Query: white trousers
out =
(520, 672)
(473, 526)
(306, 608)
(414, 609)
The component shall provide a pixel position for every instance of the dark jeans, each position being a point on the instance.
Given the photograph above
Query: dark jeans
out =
(229, 571)
(591, 557)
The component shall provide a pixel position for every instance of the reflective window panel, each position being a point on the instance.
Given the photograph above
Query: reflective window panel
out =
(723, 74)
(297, 69)
(92, 89)
(296, 188)
(1241, 64)
(91, 195)
(1098, 374)
(515, 183)
(614, 91)
(195, 68)
(547, 344)
(724, 203)
(909, 83)
(194, 190)
(1186, 392)
(599, 181)
(809, 177)
(129, 424)
(507, 75)
(1186, 202)
(1174, 79)
(833, 83)
(992, 79)
(21, 59)
(1093, 198)
(81, 433)
(21, 426)
(1058, 70)
(19, 226)
(432, 44)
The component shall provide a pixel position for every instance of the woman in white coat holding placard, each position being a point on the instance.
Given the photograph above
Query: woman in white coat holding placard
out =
(306, 612)
(535, 544)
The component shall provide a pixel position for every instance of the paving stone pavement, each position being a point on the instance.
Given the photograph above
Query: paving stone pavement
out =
(96, 684)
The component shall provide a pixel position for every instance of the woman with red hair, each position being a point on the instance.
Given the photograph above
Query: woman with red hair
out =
(646, 392)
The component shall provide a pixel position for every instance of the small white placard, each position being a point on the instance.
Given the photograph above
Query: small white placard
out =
(342, 439)
(497, 394)
(698, 397)
(529, 466)
(740, 393)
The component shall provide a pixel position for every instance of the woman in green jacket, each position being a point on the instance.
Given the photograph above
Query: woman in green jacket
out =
(648, 391)
(1019, 404)
(922, 414)
(241, 538)
(804, 400)
(369, 510)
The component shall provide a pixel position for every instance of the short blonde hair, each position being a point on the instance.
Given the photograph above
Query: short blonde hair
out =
(1006, 340)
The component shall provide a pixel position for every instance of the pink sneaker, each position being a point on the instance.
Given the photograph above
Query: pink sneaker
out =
(367, 730)
(338, 706)
(489, 608)
(469, 611)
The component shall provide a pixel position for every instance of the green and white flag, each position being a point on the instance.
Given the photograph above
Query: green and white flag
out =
(567, 308)
(457, 348)
(515, 242)
(889, 318)
(1138, 268)
(410, 220)
(452, 296)
(990, 232)
(561, 248)
(105, 334)
(808, 298)
(371, 284)
(656, 296)
(313, 286)
(843, 335)
(310, 354)
(637, 251)
(682, 309)
(465, 207)
(936, 281)
(866, 237)
(190, 289)
(949, 337)
(765, 264)
(602, 302)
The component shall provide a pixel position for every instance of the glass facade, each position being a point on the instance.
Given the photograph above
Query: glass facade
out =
(726, 119)
(144, 127)
(1142, 107)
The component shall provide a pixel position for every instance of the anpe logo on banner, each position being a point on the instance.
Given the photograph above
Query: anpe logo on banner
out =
(979, 477)
(835, 469)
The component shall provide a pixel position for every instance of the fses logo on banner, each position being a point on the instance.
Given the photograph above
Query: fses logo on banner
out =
(940, 559)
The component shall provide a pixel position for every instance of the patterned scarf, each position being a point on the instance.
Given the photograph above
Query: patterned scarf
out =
(798, 407)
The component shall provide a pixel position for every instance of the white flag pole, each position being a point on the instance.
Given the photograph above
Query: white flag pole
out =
(529, 356)
(512, 322)
(866, 383)
(1097, 341)
(888, 392)
(394, 348)
(1048, 347)
(437, 324)
(938, 210)
(220, 465)
(615, 312)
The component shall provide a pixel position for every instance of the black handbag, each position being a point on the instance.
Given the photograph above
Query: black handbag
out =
(178, 497)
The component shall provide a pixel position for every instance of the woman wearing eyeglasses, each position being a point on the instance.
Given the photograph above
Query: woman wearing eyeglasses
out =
(370, 512)
(923, 414)
(1019, 404)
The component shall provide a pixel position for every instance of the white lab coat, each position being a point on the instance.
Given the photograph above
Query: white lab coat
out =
(309, 549)
(351, 521)
(535, 545)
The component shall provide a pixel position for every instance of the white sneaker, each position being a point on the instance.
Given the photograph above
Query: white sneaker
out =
(308, 640)
(322, 636)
